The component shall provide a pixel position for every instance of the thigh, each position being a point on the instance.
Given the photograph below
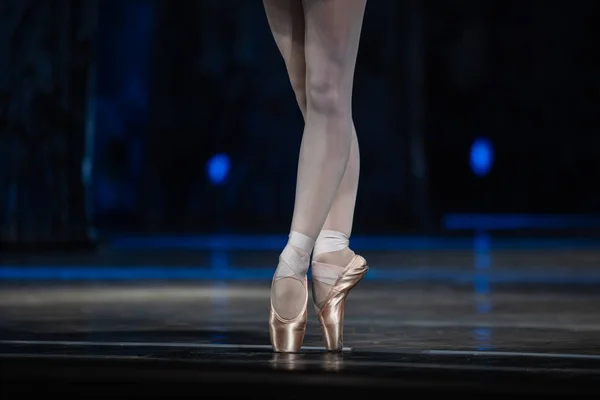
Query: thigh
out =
(333, 30)
(286, 20)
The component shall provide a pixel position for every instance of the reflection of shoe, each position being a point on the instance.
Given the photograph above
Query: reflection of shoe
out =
(333, 361)
(287, 361)
(331, 313)
(287, 335)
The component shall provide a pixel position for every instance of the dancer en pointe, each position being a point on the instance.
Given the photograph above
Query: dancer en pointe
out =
(318, 40)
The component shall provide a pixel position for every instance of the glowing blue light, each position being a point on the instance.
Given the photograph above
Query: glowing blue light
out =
(482, 156)
(218, 168)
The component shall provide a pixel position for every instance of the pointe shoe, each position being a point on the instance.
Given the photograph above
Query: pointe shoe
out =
(287, 335)
(331, 314)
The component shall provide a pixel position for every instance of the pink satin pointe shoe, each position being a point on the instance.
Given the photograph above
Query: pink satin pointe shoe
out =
(287, 335)
(331, 313)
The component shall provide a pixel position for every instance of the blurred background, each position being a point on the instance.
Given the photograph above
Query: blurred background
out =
(148, 117)
(155, 143)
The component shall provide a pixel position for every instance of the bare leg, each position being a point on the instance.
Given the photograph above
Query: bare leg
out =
(333, 28)
(334, 39)
(332, 252)
(331, 44)
(286, 19)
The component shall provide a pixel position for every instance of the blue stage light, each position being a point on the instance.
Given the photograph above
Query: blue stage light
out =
(218, 168)
(482, 156)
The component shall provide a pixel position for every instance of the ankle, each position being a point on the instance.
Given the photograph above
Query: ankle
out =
(302, 244)
(301, 253)
(332, 248)
(294, 260)
(339, 258)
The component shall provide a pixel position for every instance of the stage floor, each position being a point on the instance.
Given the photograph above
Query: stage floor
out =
(486, 320)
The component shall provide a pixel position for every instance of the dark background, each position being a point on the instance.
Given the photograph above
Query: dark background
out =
(144, 94)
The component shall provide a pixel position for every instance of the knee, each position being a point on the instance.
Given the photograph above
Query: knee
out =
(299, 88)
(324, 94)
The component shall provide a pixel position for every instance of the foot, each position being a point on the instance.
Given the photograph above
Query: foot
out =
(289, 295)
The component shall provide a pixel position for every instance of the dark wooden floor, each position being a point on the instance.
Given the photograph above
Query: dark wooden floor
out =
(524, 312)
(379, 316)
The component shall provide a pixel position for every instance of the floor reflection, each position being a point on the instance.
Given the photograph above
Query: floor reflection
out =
(332, 362)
